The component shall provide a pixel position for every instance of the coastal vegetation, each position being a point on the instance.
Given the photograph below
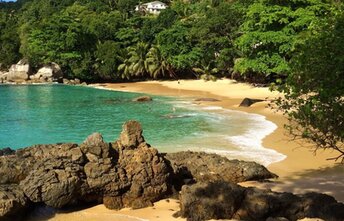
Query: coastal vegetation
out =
(294, 44)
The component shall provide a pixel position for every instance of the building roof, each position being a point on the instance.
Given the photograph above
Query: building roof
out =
(154, 3)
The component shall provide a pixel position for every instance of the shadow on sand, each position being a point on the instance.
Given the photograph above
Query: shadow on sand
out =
(329, 180)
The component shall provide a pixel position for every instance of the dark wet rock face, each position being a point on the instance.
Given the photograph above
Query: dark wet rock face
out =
(222, 200)
(204, 167)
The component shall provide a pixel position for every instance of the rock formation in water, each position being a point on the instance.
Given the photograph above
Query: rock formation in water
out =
(143, 99)
(130, 173)
(223, 200)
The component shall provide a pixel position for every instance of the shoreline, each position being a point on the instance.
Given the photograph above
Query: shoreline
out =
(277, 140)
(300, 172)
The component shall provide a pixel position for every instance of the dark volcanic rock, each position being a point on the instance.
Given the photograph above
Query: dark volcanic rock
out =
(143, 99)
(247, 102)
(221, 200)
(13, 203)
(212, 167)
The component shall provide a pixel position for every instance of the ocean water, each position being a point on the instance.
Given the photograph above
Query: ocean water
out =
(42, 114)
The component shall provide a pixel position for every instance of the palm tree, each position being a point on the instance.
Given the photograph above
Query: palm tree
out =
(133, 62)
(124, 68)
(206, 71)
(156, 64)
(138, 58)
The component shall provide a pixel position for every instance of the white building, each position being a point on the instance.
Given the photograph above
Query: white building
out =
(151, 7)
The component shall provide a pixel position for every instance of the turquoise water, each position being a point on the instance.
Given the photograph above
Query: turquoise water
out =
(42, 114)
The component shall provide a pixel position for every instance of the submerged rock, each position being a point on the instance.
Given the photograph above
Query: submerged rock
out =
(207, 99)
(222, 200)
(143, 99)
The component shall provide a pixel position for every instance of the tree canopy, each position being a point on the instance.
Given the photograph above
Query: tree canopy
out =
(295, 44)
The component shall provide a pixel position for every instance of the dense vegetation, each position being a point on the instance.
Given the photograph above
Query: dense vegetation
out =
(295, 44)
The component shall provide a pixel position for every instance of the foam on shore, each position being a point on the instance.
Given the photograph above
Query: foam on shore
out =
(244, 140)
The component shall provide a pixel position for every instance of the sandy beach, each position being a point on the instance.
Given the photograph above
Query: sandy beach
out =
(301, 171)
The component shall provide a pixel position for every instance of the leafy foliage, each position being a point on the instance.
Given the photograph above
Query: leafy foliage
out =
(270, 32)
(314, 92)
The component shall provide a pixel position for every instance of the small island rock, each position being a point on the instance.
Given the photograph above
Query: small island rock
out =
(143, 99)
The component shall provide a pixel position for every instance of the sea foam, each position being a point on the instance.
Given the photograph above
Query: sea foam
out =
(246, 143)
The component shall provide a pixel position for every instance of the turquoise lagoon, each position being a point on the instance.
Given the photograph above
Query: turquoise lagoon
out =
(43, 114)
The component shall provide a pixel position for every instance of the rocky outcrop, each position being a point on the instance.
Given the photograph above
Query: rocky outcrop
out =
(13, 203)
(125, 173)
(48, 73)
(130, 173)
(6, 151)
(222, 200)
(17, 73)
(204, 167)
(247, 102)
(75, 81)
(143, 99)
(142, 173)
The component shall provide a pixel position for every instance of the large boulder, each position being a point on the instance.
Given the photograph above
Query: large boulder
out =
(15, 167)
(17, 73)
(204, 167)
(222, 200)
(13, 203)
(48, 73)
(142, 174)
(131, 135)
(55, 182)
(125, 173)
(247, 102)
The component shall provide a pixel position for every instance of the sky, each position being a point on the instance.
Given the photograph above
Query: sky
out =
(8, 0)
